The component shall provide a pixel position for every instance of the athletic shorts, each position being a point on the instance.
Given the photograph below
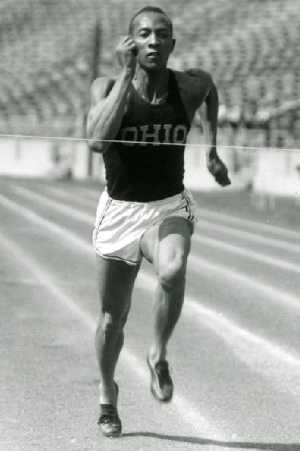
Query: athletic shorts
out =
(120, 225)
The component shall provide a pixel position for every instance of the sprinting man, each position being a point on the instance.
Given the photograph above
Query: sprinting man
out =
(145, 210)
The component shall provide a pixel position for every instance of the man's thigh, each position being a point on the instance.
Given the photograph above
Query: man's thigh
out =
(115, 284)
(167, 242)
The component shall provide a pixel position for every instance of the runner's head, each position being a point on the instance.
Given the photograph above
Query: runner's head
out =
(150, 10)
(152, 31)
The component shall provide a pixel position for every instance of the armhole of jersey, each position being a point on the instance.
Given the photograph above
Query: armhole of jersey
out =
(175, 88)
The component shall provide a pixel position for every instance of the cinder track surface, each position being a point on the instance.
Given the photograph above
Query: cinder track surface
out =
(235, 354)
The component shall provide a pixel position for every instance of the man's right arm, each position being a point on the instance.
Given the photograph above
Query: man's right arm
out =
(108, 102)
(109, 99)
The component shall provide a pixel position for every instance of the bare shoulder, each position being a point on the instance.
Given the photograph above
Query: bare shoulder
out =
(194, 84)
(101, 87)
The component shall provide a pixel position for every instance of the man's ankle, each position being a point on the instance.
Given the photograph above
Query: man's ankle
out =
(107, 393)
(156, 355)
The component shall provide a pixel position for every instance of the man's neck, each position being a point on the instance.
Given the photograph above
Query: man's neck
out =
(151, 85)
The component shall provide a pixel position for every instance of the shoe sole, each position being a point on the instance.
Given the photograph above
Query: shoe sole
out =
(111, 434)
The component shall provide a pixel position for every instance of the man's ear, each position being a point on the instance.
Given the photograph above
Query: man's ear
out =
(173, 43)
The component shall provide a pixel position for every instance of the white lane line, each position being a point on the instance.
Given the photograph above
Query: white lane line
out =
(260, 355)
(149, 281)
(71, 212)
(186, 410)
(248, 253)
(251, 236)
(216, 216)
(274, 294)
(223, 326)
(88, 218)
(49, 225)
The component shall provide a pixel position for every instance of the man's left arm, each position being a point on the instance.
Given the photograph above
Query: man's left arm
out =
(209, 119)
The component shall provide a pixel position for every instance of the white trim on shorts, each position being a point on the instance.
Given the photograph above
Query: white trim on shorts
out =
(120, 225)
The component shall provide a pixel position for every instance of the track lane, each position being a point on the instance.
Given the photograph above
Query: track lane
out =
(218, 241)
(61, 276)
(250, 276)
(286, 320)
(235, 227)
(46, 366)
(248, 257)
(214, 372)
(129, 371)
(52, 272)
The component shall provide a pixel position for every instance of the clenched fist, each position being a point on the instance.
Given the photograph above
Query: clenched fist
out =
(126, 52)
(218, 170)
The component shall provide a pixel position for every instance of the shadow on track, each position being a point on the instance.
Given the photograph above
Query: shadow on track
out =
(205, 441)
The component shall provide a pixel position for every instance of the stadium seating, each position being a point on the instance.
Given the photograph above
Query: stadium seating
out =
(251, 48)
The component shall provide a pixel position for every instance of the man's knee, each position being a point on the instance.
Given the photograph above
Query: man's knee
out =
(171, 274)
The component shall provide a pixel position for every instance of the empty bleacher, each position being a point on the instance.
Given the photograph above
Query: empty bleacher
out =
(251, 48)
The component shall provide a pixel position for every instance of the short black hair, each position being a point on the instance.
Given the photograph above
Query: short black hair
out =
(150, 9)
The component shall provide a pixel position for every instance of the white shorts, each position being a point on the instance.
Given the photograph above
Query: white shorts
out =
(120, 225)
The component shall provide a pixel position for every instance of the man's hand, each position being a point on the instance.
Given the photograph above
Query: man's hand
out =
(218, 169)
(126, 52)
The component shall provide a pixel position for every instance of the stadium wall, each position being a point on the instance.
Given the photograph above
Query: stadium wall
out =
(34, 157)
(263, 170)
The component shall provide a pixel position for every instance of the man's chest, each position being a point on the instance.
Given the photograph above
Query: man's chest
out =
(166, 123)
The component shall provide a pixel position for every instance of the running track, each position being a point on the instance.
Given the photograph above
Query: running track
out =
(235, 355)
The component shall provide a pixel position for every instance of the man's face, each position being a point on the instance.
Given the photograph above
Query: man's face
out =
(152, 35)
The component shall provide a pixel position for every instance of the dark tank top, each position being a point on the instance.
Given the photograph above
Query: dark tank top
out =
(148, 172)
